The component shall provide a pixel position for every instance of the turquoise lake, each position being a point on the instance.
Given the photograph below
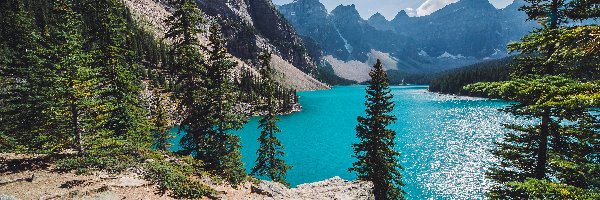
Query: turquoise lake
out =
(444, 140)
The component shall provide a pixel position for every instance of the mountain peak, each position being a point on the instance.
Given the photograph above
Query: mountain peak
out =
(475, 3)
(402, 14)
(348, 11)
(377, 17)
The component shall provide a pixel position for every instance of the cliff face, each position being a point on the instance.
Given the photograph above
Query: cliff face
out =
(250, 26)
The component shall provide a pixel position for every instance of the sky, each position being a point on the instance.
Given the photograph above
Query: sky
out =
(389, 8)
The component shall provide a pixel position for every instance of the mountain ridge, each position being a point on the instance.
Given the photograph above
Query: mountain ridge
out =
(461, 33)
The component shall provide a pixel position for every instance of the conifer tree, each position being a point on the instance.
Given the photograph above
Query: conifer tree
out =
(23, 97)
(206, 94)
(270, 161)
(73, 78)
(544, 154)
(378, 162)
(187, 66)
(221, 96)
(123, 120)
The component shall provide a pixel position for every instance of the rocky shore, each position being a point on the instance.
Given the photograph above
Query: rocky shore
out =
(36, 179)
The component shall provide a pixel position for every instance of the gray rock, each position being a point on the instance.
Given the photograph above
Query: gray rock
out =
(7, 197)
(333, 188)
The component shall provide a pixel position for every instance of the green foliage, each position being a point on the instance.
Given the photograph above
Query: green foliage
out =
(161, 122)
(553, 83)
(223, 153)
(543, 189)
(177, 177)
(270, 161)
(377, 160)
(109, 160)
(188, 69)
(534, 93)
(23, 97)
(207, 95)
(72, 78)
(554, 98)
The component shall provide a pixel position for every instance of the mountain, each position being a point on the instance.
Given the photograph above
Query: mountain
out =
(462, 33)
(378, 21)
(349, 44)
(467, 27)
(249, 26)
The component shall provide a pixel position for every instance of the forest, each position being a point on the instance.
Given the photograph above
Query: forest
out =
(453, 81)
(85, 85)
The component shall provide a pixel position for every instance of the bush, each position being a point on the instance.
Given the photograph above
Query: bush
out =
(177, 177)
(112, 161)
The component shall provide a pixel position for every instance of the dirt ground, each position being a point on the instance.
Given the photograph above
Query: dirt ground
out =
(31, 177)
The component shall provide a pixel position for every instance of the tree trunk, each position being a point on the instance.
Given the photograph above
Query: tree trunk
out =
(75, 125)
(542, 157)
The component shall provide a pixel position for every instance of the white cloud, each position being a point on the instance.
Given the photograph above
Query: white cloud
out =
(432, 5)
(411, 12)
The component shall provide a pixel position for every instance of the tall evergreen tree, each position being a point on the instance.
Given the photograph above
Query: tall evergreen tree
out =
(123, 122)
(24, 90)
(546, 153)
(269, 161)
(377, 160)
(187, 66)
(221, 96)
(73, 78)
(206, 93)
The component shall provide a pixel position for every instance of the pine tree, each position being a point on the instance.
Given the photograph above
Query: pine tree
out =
(188, 69)
(548, 152)
(221, 96)
(23, 94)
(73, 83)
(122, 125)
(378, 162)
(570, 147)
(205, 91)
(270, 162)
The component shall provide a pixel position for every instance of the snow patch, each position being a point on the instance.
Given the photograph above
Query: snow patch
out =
(346, 44)
(423, 53)
(448, 55)
(359, 71)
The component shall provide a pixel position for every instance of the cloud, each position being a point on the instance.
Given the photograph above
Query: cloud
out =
(432, 5)
(411, 12)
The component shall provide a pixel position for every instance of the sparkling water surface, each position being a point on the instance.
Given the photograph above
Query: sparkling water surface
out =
(444, 140)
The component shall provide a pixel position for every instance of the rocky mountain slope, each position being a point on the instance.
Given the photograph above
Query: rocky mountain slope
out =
(459, 34)
(250, 26)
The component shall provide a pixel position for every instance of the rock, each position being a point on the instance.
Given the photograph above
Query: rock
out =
(270, 189)
(7, 197)
(128, 181)
(333, 188)
(108, 195)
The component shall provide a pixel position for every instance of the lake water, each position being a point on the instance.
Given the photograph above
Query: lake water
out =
(444, 140)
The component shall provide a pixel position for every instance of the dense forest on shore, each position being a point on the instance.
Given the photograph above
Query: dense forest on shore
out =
(453, 81)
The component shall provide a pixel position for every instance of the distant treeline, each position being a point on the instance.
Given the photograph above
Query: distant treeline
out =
(453, 81)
